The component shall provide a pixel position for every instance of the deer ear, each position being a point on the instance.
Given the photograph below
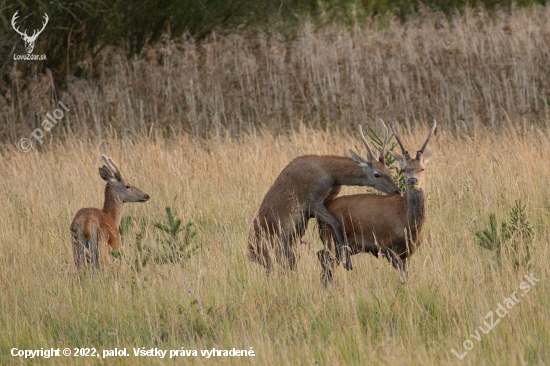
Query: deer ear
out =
(427, 155)
(105, 173)
(358, 160)
(399, 158)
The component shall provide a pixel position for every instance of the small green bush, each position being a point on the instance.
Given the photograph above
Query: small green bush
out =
(172, 249)
(511, 235)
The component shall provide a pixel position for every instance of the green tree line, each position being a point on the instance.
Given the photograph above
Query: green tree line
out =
(85, 27)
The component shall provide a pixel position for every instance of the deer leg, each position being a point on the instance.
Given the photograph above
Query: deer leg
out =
(277, 252)
(327, 256)
(265, 252)
(262, 246)
(286, 253)
(256, 252)
(399, 264)
(291, 256)
(328, 264)
(321, 214)
(78, 248)
(94, 247)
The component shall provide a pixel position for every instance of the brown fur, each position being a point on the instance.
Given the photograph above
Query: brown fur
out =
(388, 225)
(368, 230)
(300, 192)
(94, 232)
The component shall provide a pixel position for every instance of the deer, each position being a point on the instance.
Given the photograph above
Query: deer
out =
(302, 191)
(29, 41)
(387, 225)
(94, 232)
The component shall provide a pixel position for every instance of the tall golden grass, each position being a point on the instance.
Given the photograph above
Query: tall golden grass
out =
(219, 299)
(470, 70)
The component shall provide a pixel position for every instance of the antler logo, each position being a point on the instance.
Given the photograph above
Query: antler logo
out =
(29, 41)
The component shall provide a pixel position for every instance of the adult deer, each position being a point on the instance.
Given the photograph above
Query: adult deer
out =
(94, 232)
(390, 225)
(302, 191)
(29, 40)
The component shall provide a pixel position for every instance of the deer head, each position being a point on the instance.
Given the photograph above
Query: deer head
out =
(29, 41)
(413, 169)
(123, 191)
(374, 167)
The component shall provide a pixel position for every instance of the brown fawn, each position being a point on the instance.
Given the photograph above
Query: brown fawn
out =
(387, 225)
(94, 232)
(302, 191)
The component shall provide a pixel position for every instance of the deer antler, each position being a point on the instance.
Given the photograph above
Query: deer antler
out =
(421, 151)
(112, 167)
(383, 148)
(15, 16)
(365, 142)
(117, 171)
(405, 152)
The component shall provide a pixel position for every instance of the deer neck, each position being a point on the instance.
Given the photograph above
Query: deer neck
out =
(346, 173)
(113, 205)
(416, 211)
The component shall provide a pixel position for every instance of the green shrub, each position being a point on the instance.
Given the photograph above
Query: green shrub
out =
(397, 173)
(515, 236)
(172, 249)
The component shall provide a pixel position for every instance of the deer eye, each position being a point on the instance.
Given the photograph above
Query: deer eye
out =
(127, 186)
(376, 175)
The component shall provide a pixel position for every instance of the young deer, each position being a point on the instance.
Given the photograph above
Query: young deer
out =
(94, 232)
(390, 225)
(302, 191)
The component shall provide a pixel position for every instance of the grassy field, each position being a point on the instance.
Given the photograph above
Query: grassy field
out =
(219, 299)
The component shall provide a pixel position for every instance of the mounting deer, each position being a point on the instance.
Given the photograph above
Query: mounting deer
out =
(29, 41)
(302, 191)
(389, 225)
(94, 232)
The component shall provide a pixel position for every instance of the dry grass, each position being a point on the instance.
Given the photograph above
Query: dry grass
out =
(367, 318)
(469, 71)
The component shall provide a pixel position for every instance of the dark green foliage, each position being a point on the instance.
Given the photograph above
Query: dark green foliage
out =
(80, 28)
(397, 173)
(513, 237)
(172, 249)
(491, 237)
(521, 233)
(518, 222)
(173, 224)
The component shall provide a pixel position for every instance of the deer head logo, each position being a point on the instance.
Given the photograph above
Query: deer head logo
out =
(29, 41)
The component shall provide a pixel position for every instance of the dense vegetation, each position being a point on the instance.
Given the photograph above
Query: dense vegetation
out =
(473, 70)
(81, 27)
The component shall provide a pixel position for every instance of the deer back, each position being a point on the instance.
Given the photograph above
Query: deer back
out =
(370, 221)
(89, 219)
